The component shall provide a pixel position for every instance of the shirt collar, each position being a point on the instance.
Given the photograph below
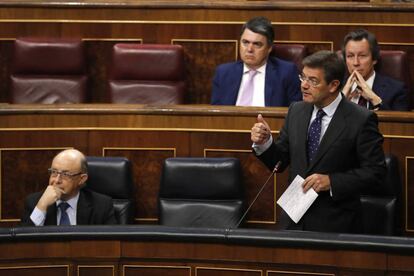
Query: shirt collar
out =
(331, 108)
(73, 202)
(261, 69)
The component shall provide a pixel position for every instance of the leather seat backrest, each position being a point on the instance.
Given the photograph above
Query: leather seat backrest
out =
(201, 192)
(48, 70)
(291, 52)
(147, 74)
(112, 176)
(394, 64)
(381, 209)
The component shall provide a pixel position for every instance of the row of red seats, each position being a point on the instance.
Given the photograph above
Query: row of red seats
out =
(53, 71)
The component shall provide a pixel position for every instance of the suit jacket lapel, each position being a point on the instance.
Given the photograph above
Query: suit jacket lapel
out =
(235, 82)
(379, 85)
(84, 210)
(303, 127)
(335, 128)
(270, 67)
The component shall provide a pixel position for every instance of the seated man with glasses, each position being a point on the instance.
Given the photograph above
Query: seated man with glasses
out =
(64, 202)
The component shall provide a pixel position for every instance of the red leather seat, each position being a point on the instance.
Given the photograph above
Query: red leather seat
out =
(291, 52)
(48, 70)
(394, 64)
(147, 74)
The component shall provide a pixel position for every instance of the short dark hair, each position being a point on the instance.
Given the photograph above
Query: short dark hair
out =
(329, 62)
(359, 35)
(260, 25)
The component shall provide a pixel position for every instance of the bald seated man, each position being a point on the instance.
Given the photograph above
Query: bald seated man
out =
(64, 202)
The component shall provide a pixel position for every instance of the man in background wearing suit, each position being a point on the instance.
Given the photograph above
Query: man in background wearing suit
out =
(348, 156)
(364, 86)
(63, 202)
(258, 79)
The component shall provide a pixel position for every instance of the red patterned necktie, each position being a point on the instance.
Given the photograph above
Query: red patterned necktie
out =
(361, 101)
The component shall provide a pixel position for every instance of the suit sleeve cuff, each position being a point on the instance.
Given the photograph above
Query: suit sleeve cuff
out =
(259, 149)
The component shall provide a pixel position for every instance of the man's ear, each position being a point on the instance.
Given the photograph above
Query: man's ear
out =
(333, 86)
(270, 49)
(84, 178)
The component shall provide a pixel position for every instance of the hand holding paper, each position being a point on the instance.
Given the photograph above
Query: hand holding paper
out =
(294, 201)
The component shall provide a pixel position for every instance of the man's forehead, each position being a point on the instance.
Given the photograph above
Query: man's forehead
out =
(66, 162)
(312, 72)
(252, 36)
(357, 45)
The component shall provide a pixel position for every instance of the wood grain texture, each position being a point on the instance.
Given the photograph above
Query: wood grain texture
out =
(30, 135)
(203, 28)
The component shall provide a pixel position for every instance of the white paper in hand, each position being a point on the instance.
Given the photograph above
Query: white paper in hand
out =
(294, 201)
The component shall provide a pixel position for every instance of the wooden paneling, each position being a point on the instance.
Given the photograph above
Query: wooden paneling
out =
(200, 57)
(207, 31)
(86, 270)
(207, 271)
(152, 270)
(49, 270)
(134, 250)
(34, 162)
(31, 135)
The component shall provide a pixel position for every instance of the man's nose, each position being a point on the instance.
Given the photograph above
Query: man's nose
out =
(304, 84)
(356, 60)
(58, 177)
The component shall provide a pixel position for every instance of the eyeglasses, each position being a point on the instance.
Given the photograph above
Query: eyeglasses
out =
(312, 81)
(63, 174)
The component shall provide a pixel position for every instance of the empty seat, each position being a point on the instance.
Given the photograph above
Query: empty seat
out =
(394, 64)
(291, 52)
(112, 176)
(48, 71)
(381, 209)
(147, 74)
(201, 192)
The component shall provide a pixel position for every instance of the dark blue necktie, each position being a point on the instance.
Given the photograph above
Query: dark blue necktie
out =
(64, 218)
(314, 134)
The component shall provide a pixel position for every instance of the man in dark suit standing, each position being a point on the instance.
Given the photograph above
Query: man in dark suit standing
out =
(365, 86)
(258, 79)
(337, 159)
(63, 202)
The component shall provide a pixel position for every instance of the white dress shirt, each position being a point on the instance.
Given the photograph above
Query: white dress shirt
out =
(38, 217)
(259, 85)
